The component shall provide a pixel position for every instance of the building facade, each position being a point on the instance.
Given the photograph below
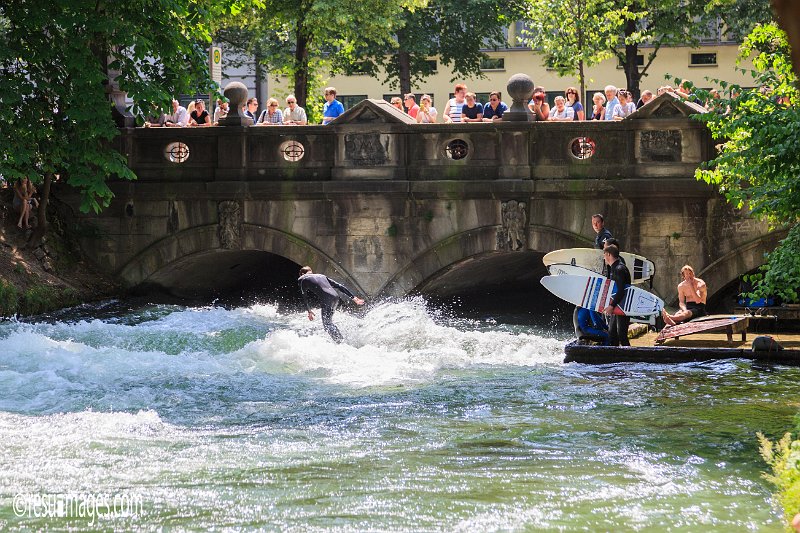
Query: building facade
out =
(715, 58)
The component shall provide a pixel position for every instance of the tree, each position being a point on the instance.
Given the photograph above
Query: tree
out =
(301, 40)
(656, 23)
(454, 32)
(573, 35)
(758, 164)
(61, 61)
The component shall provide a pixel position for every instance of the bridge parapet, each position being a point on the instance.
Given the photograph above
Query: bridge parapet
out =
(374, 141)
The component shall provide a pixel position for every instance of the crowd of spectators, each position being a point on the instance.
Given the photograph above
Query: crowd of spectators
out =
(611, 104)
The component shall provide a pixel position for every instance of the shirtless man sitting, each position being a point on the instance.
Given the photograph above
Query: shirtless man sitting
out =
(692, 294)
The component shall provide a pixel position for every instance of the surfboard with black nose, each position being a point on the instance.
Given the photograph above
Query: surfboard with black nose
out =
(641, 268)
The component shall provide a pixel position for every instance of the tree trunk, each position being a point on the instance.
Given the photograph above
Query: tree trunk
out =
(631, 66)
(301, 65)
(41, 214)
(259, 75)
(404, 71)
(582, 82)
(403, 64)
(788, 17)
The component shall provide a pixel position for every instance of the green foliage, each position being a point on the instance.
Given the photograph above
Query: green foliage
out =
(741, 16)
(38, 299)
(758, 163)
(302, 40)
(783, 457)
(9, 297)
(58, 62)
(573, 35)
(453, 31)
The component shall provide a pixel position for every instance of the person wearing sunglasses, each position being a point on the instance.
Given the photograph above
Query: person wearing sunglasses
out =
(574, 101)
(271, 116)
(294, 114)
(494, 108)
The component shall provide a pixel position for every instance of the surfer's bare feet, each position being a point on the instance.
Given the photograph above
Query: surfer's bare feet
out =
(667, 320)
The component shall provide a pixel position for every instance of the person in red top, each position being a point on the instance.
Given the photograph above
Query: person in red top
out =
(411, 105)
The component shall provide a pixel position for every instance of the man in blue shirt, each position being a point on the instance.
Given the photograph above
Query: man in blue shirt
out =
(494, 108)
(333, 107)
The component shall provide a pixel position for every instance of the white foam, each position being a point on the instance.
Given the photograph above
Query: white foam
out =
(67, 366)
(395, 343)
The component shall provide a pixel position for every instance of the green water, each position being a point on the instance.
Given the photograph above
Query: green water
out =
(248, 419)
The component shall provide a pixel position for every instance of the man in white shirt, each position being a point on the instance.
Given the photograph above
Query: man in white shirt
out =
(179, 116)
(294, 114)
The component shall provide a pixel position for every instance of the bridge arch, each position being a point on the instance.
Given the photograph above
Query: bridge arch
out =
(198, 243)
(727, 269)
(472, 245)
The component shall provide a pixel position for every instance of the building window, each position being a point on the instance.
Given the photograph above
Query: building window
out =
(432, 65)
(493, 63)
(639, 61)
(350, 100)
(703, 59)
(361, 68)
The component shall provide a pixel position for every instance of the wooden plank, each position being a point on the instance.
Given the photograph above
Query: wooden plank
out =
(712, 324)
(599, 355)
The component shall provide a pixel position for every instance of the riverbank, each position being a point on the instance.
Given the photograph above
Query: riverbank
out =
(46, 277)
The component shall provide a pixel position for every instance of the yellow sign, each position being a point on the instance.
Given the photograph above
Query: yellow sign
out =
(215, 64)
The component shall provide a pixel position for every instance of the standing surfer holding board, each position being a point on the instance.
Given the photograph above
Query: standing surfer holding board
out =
(598, 224)
(324, 288)
(617, 324)
(692, 293)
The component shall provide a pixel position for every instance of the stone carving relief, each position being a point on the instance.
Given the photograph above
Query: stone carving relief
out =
(666, 111)
(513, 235)
(230, 222)
(660, 145)
(366, 149)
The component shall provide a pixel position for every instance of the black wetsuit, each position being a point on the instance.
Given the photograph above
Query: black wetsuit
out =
(618, 324)
(601, 238)
(324, 289)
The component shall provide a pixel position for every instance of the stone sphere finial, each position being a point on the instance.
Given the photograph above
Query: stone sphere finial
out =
(236, 93)
(520, 88)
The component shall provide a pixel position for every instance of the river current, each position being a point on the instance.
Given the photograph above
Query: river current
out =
(247, 418)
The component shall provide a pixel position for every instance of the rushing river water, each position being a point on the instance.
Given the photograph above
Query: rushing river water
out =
(246, 418)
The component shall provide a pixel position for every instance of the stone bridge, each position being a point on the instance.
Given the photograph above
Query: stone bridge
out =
(392, 207)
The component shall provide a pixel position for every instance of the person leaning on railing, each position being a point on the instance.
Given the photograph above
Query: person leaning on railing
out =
(427, 113)
(294, 114)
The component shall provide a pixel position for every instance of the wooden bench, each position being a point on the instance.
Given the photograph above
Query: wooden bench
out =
(708, 324)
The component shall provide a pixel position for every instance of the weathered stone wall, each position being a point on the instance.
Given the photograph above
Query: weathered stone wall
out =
(386, 204)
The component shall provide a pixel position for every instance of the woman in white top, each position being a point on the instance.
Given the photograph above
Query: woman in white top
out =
(561, 112)
(427, 113)
(625, 107)
(452, 111)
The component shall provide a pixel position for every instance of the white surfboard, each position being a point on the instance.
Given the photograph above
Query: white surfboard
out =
(641, 268)
(595, 292)
(558, 269)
